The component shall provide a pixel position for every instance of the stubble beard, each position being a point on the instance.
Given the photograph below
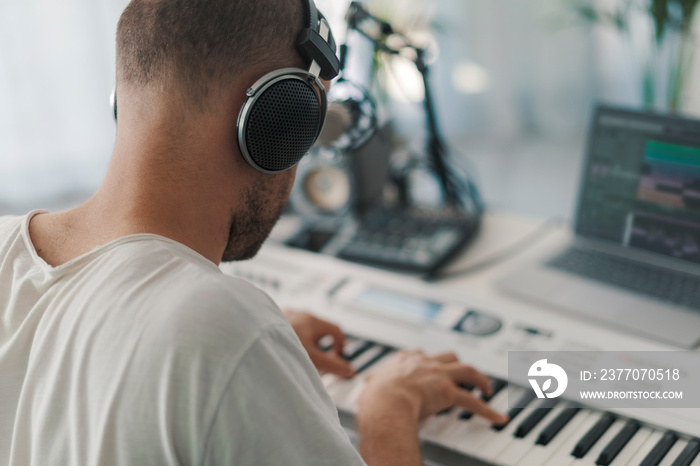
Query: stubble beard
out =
(250, 226)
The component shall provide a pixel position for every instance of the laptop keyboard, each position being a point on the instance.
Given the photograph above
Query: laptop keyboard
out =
(676, 287)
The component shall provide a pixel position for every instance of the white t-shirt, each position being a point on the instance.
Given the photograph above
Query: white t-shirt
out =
(142, 352)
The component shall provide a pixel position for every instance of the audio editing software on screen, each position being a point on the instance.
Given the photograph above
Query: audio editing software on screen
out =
(642, 186)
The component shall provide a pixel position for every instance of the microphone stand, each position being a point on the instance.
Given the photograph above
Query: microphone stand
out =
(435, 145)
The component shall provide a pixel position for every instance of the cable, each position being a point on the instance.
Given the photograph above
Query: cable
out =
(517, 247)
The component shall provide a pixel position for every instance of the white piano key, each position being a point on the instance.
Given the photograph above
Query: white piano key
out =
(505, 437)
(674, 452)
(563, 457)
(479, 432)
(539, 454)
(630, 450)
(434, 426)
(455, 431)
(645, 448)
(346, 392)
(591, 457)
(519, 447)
(352, 345)
(339, 388)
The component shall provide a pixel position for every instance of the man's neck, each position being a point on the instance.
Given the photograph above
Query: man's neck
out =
(143, 192)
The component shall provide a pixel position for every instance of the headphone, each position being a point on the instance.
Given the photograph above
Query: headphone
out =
(284, 111)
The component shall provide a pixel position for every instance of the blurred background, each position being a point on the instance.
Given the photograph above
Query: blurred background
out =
(514, 82)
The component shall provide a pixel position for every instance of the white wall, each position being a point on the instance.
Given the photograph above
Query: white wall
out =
(56, 74)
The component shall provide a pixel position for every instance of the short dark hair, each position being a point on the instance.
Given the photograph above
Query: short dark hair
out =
(200, 43)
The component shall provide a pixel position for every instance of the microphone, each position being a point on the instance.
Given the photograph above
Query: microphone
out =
(351, 118)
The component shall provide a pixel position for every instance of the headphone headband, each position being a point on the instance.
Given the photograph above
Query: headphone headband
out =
(315, 43)
(310, 15)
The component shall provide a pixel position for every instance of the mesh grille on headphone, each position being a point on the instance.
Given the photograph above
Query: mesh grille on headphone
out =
(284, 123)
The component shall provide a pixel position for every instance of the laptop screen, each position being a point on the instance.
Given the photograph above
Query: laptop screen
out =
(641, 185)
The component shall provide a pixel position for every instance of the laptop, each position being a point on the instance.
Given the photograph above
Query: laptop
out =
(634, 261)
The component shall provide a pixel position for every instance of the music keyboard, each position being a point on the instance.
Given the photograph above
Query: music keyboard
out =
(481, 331)
(540, 432)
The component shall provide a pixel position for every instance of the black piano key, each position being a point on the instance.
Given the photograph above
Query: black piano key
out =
(357, 351)
(497, 385)
(445, 411)
(689, 453)
(557, 424)
(385, 350)
(660, 449)
(513, 412)
(618, 443)
(534, 418)
(593, 435)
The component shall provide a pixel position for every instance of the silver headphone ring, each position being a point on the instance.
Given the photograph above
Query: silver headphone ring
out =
(258, 89)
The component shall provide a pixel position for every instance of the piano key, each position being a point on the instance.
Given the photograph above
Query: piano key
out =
(562, 456)
(618, 443)
(466, 386)
(433, 428)
(517, 408)
(530, 422)
(593, 435)
(591, 458)
(470, 436)
(539, 454)
(557, 424)
(520, 445)
(645, 447)
(354, 348)
(637, 441)
(349, 402)
(688, 454)
(326, 342)
(660, 449)
(494, 447)
(346, 392)
(452, 431)
(497, 385)
(696, 461)
(384, 351)
(674, 452)
(339, 387)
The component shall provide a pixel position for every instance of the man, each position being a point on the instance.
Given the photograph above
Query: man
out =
(122, 343)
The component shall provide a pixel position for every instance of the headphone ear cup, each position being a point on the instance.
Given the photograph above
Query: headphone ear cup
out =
(279, 124)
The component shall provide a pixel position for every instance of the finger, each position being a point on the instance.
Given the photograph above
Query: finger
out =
(463, 373)
(479, 407)
(331, 362)
(447, 356)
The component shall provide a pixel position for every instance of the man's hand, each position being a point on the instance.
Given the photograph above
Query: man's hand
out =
(407, 389)
(428, 385)
(310, 330)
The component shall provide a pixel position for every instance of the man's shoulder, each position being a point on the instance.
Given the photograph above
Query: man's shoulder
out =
(186, 297)
(9, 223)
